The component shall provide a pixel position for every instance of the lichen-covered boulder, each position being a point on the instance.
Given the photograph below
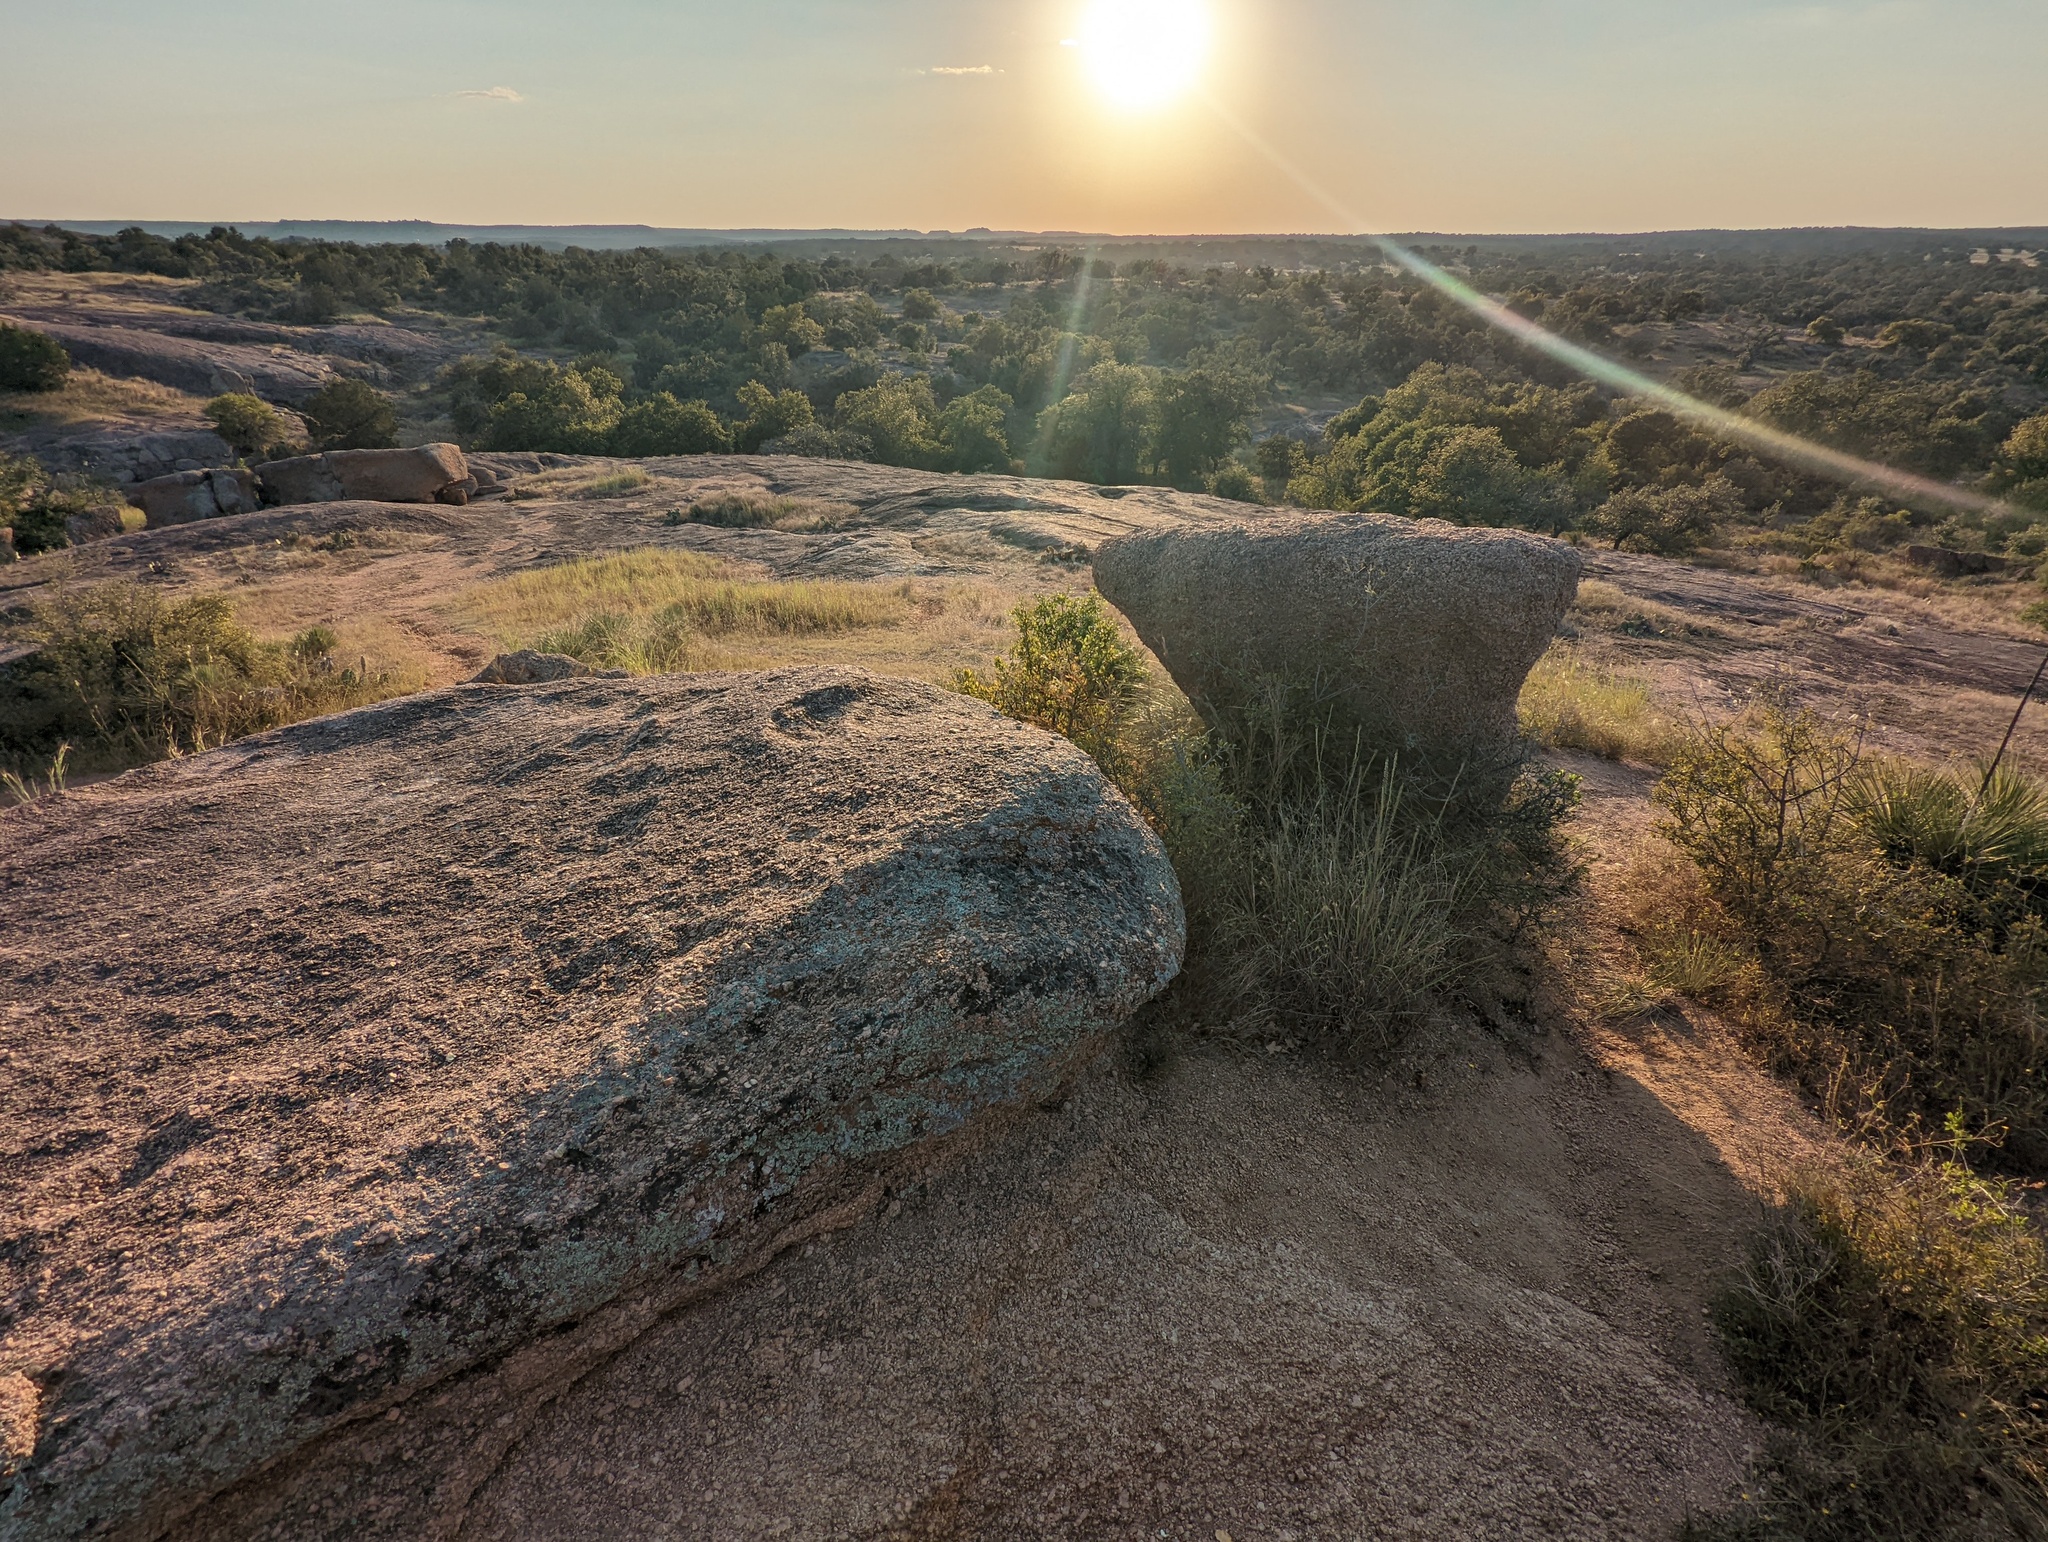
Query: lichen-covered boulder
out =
(350, 1054)
(1412, 637)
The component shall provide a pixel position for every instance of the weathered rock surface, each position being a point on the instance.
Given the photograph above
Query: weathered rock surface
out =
(95, 524)
(187, 364)
(184, 496)
(428, 473)
(527, 667)
(1415, 634)
(357, 1051)
(124, 452)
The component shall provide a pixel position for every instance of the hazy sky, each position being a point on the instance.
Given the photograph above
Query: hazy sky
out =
(1455, 115)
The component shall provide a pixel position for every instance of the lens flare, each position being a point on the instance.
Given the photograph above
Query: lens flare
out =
(1143, 54)
(1820, 459)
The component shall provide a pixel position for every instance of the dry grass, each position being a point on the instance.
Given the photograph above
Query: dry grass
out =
(654, 611)
(1570, 704)
(90, 397)
(758, 511)
(1604, 606)
(584, 482)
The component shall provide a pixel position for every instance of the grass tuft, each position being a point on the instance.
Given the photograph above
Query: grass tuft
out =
(1570, 705)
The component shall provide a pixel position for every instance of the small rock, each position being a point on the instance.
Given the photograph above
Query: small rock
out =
(529, 668)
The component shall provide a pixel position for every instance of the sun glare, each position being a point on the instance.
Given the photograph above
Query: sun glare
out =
(1143, 54)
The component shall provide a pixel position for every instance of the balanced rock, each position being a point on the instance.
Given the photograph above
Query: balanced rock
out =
(428, 473)
(1412, 637)
(355, 1052)
(184, 496)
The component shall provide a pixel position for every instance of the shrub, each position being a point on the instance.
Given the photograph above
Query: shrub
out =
(37, 508)
(30, 361)
(662, 425)
(1668, 522)
(1071, 671)
(1906, 943)
(1892, 1319)
(1234, 481)
(248, 423)
(349, 415)
(124, 675)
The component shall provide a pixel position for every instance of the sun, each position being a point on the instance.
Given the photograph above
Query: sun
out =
(1143, 54)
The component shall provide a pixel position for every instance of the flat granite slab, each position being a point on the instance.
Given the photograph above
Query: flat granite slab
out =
(356, 1053)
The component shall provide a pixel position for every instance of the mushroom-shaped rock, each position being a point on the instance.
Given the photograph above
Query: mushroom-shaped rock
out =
(361, 1050)
(1410, 636)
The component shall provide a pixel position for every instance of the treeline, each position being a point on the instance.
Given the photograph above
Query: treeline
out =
(1058, 362)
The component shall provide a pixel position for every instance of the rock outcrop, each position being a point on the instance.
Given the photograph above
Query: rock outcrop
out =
(201, 367)
(429, 473)
(1413, 636)
(355, 1052)
(184, 496)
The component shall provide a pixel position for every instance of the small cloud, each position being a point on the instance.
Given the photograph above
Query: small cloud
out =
(965, 69)
(494, 94)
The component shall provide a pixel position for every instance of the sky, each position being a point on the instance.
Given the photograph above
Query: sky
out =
(1477, 116)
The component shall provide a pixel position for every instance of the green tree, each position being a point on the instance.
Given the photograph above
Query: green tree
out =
(1669, 521)
(661, 425)
(1471, 478)
(1103, 431)
(974, 430)
(793, 328)
(1826, 331)
(250, 425)
(896, 415)
(557, 409)
(770, 415)
(29, 361)
(349, 415)
(1201, 420)
(921, 305)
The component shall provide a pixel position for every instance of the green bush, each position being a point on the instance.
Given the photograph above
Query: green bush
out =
(30, 361)
(248, 423)
(1072, 671)
(37, 507)
(662, 425)
(1234, 481)
(349, 415)
(124, 675)
(1892, 1321)
(770, 415)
